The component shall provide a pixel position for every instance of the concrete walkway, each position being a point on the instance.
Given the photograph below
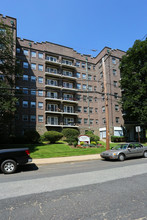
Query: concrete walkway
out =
(66, 159)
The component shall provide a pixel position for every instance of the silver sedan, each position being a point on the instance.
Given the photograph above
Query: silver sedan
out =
(123, 151)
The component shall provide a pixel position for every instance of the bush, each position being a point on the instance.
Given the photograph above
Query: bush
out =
(93, 142)
(92, 136)
(117, 139)
(32, 136)
(82, 143)
(70, 133)
(52, 136)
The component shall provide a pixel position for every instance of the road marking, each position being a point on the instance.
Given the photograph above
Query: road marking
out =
(40, 185)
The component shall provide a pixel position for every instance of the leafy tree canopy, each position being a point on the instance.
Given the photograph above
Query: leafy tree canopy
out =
(134, 83)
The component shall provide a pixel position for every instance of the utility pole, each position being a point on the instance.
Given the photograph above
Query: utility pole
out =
(106, 105)
(87, 91)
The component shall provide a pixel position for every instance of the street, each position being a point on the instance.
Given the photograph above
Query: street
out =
(89, 190)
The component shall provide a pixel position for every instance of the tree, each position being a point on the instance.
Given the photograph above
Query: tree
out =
(53, 136)
(9, 67)
(133, 83)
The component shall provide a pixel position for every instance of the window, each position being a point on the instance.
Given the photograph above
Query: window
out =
(68, 121)
(17, 50)
(52, 59)
(96, 99)
(90, 98)
(91, 121)
(40, 118)
(51, 82)
(67, 62)
(89, 77)
(115, 95)
(78, 97)
(102, 85)
(67, 73)
(93, 67)
(103, 108)
(95, 88)
(90, 110)
(79, 120)
(53, 95)
(25, 90)
(103, 97)
(26, 52)
(33, 78)
(25, 65)
(25, 77)
(40, 79)
(25, 104)
(116, 108)
(40, 93)
(89, 66)
(89, 88)
(78, 63)
(83, 65)
(33, 104)
(84, 87)
(104, 120)
(85, 109)
(40, 67)
(117, 119)
(52, 107)
(40, 55)
(113, 60)
(115, 83)
(114, 72)
(78, 75)
(51, 70)
(52, 120)
(33, 66)
(33, 118)
(16, 117)
(96, 121)
(33, 54)
(68, 109)
(78, 86)
(101, 74)
(67, 85)
(85, 120)
(25, 117)
(94, 77)
(84, 98)
(96, 110)
(83, 75)
(40, 105)
(79, 109)
(33, 92)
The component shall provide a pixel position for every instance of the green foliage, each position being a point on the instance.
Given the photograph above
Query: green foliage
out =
(8, 70)
(92, 136)
(82, 143)
(117, 139)
(32, 136)
(53, 136)
(93, 142)
(70, 133)
(134, 83)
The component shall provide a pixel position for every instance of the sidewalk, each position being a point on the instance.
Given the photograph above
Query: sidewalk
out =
(66, 159)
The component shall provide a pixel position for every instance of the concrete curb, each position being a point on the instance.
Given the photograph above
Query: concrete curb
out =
(66, 159)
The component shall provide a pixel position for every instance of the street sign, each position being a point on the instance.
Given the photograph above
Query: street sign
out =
(138, 129)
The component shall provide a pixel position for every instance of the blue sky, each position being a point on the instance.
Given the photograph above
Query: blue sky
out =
(81, 24)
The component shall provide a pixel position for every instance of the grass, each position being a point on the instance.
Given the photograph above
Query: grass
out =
(60, 149)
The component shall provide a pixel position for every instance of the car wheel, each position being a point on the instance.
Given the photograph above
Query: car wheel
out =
(145, 154)
(121, 157)
(8, 166)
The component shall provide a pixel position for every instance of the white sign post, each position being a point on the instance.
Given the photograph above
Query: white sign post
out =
(138, 130)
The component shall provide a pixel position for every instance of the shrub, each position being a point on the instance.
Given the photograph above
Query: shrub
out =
(53, 136)
(93, 142)
(32, 136)
(92, 136)
(117, 139)
(70, 133)
(82, 143)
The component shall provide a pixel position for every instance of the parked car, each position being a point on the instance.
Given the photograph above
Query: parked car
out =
(11, 158)
(123, 151)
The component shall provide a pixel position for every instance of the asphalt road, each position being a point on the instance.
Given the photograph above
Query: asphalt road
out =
(90, 190)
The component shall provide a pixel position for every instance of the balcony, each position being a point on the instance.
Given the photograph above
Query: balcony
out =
(70, 113)
(52, 60)
(67, 63)
(70, 100)
(48, 72)
(54, 98)
(53, 112)
(53, 125)
(70, 125)
(68, 88)
(47, 85)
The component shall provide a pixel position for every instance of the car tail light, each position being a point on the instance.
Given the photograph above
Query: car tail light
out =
(27, 152)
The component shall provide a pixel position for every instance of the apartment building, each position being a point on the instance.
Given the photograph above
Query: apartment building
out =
(61, 88)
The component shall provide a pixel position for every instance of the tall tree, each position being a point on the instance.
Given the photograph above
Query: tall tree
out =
(8, 70)
(134, 83)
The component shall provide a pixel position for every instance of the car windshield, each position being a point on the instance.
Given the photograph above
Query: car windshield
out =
(120, 146)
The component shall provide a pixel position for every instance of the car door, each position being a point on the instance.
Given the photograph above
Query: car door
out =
(139, 149)
(131, 151)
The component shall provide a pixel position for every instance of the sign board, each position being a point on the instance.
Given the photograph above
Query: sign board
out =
(84, 138)
(138, 129)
